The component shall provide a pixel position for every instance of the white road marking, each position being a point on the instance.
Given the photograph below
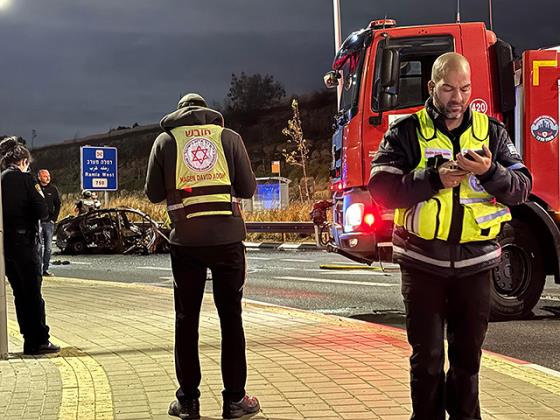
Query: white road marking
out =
(345, 272)
(166, 278)
(296, 260)
(551, 297)
(259, 258)
(336, 281)
(151, 267)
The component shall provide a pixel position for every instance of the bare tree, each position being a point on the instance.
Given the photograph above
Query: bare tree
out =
(299, 153)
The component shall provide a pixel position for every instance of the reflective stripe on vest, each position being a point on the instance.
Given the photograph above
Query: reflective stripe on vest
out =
(202, 181)
(431, 219)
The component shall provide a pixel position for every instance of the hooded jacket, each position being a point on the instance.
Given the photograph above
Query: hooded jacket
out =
(160, 178)
(395, 184)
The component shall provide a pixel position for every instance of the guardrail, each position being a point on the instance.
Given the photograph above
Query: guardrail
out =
(281, 227)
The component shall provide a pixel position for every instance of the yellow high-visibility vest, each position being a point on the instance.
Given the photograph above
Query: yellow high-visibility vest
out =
(431, 219)
(202, 180)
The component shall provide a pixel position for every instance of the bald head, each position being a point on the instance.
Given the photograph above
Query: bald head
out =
(44, 177)
(447, 63)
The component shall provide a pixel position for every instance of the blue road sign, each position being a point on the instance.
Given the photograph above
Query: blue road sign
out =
(269, 196)
(99, 168)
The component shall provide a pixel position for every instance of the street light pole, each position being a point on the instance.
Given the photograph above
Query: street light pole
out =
(337, 43)
(3, 307)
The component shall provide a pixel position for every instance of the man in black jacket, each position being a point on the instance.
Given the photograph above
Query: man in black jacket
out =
(52, 198)
(202, 170)
(450, 173)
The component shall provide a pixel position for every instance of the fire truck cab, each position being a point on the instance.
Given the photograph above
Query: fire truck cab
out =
(384, 72)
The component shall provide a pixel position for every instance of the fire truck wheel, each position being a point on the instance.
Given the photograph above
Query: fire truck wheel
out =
(520, 277)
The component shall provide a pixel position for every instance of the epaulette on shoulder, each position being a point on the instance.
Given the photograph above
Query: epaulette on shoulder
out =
(402, 120)
(495, 121)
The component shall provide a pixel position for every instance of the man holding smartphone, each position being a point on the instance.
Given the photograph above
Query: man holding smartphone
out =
(450, 173)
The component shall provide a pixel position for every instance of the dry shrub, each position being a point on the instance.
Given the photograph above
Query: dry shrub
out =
(297, 212)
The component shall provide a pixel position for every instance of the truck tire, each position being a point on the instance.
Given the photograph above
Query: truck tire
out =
(519, 279)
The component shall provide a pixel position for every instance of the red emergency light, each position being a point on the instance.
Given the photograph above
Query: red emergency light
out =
(337, 186)
(382, 23)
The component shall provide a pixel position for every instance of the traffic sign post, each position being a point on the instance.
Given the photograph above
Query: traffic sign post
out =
(99, 168)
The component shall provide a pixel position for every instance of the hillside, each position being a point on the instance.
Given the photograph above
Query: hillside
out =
(261, 132)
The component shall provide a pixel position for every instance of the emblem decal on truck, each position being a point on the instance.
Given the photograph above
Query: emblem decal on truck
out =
(544, 128)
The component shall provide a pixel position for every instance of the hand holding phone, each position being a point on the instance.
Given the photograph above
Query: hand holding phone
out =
(450, 174)
(476, 161)
(468, 156)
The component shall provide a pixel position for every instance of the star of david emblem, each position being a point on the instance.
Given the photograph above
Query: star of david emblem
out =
(196, 154)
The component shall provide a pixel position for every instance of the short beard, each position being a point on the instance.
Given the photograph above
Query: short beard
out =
(445, 112)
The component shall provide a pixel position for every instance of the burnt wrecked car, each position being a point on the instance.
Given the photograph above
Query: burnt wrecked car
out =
(112, 230)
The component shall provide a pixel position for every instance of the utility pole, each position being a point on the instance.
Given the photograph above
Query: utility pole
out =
(337, 43)
(3, 307)
(490, 15)
(33, 136)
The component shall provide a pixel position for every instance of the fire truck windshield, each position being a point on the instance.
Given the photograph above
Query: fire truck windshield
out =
(349, 61)
(351, 75)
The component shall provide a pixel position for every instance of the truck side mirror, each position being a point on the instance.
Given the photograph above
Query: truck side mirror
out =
(331, 79)
(390, 70)
(390, 67)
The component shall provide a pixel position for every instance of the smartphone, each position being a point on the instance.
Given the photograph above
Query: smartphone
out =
(480, 152)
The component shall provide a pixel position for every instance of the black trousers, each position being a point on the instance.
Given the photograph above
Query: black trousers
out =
(23, 269)
(227, 264)
(430, 303)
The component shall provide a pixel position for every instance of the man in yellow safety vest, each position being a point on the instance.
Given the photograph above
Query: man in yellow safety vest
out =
(450, 173)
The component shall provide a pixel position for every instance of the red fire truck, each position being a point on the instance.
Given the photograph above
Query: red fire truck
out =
(384, 71)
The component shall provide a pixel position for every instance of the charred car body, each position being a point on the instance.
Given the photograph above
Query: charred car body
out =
(113, 230)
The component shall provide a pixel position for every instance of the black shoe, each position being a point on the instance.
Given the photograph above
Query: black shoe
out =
(247, 407)
(47, 274)
(188, 409)
(44, 348)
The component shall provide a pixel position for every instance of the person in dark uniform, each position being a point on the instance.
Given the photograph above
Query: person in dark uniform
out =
(52, 198)
(450, 173)
(23, 207)
(202, 169)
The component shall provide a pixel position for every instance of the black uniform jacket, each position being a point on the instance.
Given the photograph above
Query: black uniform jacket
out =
(202, 230)
(52, 197)
(23, 204)
(395, 184)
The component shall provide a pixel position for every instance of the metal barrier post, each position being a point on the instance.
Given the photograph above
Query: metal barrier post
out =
(3, 307)
(317, 236)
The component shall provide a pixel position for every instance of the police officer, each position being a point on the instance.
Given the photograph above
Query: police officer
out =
(201, 169)
(24, 206)
(451, 202)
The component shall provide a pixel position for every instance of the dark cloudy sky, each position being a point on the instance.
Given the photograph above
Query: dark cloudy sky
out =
(71, 68)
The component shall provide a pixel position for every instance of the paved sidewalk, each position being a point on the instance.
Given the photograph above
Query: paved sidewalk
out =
(117, 362)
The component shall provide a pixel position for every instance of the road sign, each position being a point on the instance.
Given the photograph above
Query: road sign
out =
(99, 168)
